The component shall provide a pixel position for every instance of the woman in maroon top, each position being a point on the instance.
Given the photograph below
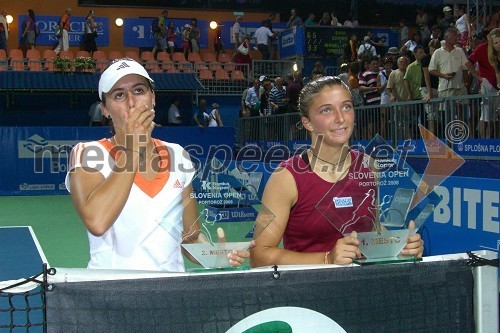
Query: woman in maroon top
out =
(298, 184)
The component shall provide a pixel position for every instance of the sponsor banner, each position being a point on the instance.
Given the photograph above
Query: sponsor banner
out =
(48, 24)
(297, 146)
(137, 31)
(411, 147)
(478, 147)
(231, 214)
(272, 144)
(467, 217)
(292, 42)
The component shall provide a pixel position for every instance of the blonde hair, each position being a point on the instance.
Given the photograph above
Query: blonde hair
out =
(493, 56)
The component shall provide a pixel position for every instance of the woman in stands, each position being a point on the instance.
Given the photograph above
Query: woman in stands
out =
(28, 34)
(243, 55)
(171, 39)
(91, 26)
(299, 183)
(133, 192)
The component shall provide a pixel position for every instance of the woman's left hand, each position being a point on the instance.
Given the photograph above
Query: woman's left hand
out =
(415, 245)
(238, 257)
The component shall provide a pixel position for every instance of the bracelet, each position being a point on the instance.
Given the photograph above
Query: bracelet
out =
(326, 258)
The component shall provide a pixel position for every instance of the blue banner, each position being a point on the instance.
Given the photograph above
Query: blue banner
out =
(478, 147)
(48, 24)
(467, 218)
(137, 32)
(292, 42)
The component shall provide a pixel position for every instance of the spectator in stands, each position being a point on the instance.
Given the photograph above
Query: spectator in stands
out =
(218, 46)
(269, 21)
(351, 21)
(335, 21)
(185, 40)
(194, 36)
(490, 84)
(174, 117)
(385, 99)
(410, 45)
(422, 22)
(201, 116)
(4, 30)
(262, 38)
(277, 97)
(403, 32)
(214, 118)
(375, 41)
(126, 197)
(298, 184)
(265, 93)
(95, 114)
(493, 20)
(430, 85)
(393, 54)
(397, 93)
(344, 75)
(413, 81)
(366, 50)
(351, 49)
(318, 70)
(451, 73)
(28, 34)
(160, 41)
(244, 110)
(463, 26)
(326, 19)
(64, 26)
(243, 56)
(171, 33)
(91, 26)
(311, 20)
(294, 20)
(252, 100)
(293, 88)
(368, 85)
(237, 35)
(448, 19)
(436, 33)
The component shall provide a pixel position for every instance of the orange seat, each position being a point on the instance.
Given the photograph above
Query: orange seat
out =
(184, 66)
(115, 55)
(101, 62)
(229, 66)
(194, 57)
(221, 74)
(149, 62)
(214, 66)
(164, 60)
(238, 76)
(16, 59)
(206, 74)
(223, 57)
(67, 54)
(48, 56)
(132, 55)
(34, 60)
(179, 57)
(82, 53)
(208, 57)
(3, 60)
(172, 71)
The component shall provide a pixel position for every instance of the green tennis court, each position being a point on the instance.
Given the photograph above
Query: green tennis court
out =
(56, 224)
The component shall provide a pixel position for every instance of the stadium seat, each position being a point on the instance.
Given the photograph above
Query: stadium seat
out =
(206, 74)
(82, 53)
(194, 57)
(179, 57)
(172, 71)
(238, 76)
(34, 60)
(221, 74)
(132, 55)
(164, 60)
(67, 54)
(229, 66)
(208, 57)
(115, 55)
(48, 56)
(101, 62)
(3, 60)
(149, 62)
(223, 57)
(16, 59)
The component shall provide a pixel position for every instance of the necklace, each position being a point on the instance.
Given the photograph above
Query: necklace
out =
(142, 160)
(325, 168)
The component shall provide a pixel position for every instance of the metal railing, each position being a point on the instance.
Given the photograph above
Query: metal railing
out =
(460, 118)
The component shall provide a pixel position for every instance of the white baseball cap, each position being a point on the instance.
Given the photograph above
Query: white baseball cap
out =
(119, 69)
(447, 9)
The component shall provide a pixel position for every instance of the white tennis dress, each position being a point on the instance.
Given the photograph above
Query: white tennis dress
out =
(147, 233)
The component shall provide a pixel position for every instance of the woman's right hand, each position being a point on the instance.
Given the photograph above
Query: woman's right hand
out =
(138, 126)
(345, 251)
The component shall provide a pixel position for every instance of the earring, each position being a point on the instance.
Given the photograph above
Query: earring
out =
(154, 105)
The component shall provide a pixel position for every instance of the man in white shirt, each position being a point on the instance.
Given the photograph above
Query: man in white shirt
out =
(262, 36)
(174, 117)
(367, 50)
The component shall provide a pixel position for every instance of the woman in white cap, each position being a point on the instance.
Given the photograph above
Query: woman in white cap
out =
(186, 40)
(215, 119)
(133, 192)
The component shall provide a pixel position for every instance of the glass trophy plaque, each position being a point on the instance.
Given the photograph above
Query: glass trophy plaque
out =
(374, 201)
(221, 215)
